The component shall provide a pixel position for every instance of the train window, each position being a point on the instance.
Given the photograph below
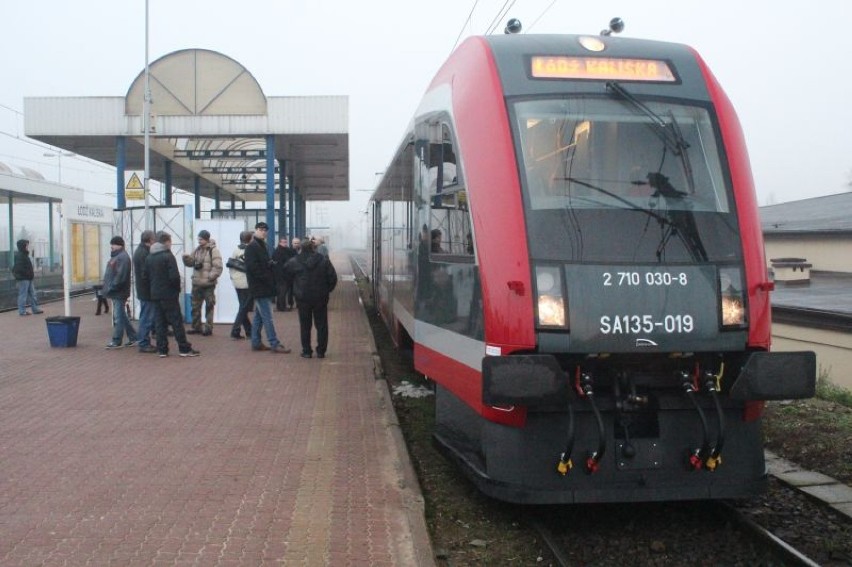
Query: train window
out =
(444, 174)
(601, 154)
(450, 227)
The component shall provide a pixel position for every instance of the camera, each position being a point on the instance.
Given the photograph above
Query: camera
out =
(199, 264)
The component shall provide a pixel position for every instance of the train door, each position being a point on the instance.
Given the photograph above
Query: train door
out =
(448, 293)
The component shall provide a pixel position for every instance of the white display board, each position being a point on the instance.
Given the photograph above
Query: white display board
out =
(77, 212)
(226, 234)
(174, 219)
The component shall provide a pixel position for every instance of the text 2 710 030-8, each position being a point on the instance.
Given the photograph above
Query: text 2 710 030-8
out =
(647, 278)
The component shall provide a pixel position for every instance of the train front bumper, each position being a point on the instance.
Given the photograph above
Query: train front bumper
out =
(536, 380)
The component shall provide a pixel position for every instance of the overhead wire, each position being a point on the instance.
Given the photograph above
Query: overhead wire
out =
(17, 116)
(540, 16)
(16, 111)
(500, 15)
(464, 25)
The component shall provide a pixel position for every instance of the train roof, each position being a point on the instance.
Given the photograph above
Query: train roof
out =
(613, 46)
(616, 45)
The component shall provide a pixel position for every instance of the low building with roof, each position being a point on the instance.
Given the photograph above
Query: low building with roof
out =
(809, 250)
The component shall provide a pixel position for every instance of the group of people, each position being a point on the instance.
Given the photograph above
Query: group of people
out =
(158, 289)
(301, 274)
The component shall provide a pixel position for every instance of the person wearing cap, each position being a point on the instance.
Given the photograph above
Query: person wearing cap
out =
(24, 274)
(206, 262)
(117, 289)
(261, 283)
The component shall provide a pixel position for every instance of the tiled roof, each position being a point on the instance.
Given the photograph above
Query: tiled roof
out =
(819, 214)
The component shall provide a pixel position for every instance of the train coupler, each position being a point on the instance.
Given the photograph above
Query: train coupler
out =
(712, 462)
(695, 461)
(565, 464)
(583, 383)
(593, 463)
(712, 385)
(585, 388)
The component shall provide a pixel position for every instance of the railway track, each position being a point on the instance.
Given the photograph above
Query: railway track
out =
(780, 548)
(697, 533)
(759, 546)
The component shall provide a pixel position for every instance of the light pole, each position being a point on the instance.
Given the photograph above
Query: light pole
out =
(146, 119)
(58, 155)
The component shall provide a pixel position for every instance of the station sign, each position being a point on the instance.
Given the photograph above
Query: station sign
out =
(76, 211)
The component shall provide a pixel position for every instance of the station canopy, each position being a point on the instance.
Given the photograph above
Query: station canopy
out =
(210, 119)
(25, 185)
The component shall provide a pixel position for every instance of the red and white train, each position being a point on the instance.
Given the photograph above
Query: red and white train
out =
(568, 235)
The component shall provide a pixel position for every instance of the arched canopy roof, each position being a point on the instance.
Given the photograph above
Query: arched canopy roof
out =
(197, 82)
(210, 119)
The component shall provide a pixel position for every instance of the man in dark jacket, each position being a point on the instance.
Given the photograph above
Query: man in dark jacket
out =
(117, 289)
(24, 275)
(314, 278)
(261, 283)
(143, 292)
(284, 295)
(161, 272)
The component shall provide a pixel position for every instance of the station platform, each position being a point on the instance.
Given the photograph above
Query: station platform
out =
(235, 457)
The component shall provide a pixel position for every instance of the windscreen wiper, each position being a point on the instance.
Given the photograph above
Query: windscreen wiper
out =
(672, 139)
(668, 132)
(676, 223)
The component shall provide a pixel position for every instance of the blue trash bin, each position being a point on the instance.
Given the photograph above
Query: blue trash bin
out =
(62, 331)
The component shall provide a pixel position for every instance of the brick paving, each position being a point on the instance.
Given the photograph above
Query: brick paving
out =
(231, 458)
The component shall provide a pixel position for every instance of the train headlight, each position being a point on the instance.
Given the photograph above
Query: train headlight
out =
(731, 298)
(550, 297)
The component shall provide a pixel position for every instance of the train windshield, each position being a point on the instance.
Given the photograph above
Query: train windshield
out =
(596, 169)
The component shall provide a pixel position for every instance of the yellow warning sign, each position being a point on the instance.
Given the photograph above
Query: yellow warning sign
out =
(134, 188)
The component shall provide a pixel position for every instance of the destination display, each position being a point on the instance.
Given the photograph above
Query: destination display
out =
(601, 68)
